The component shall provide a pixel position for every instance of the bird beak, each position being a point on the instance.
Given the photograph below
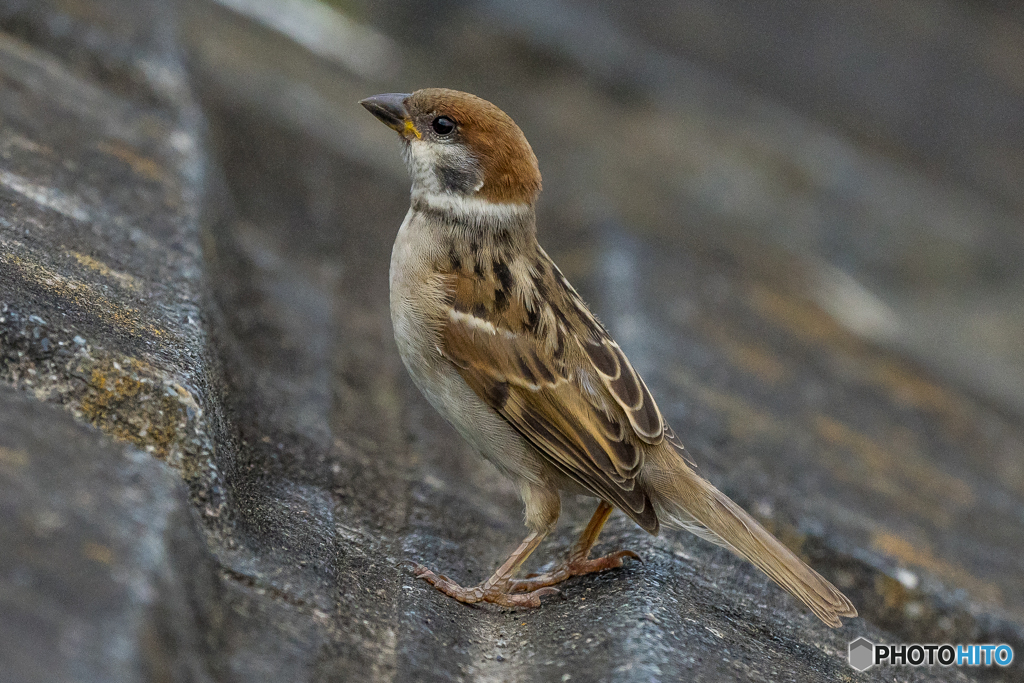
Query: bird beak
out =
(390, 109)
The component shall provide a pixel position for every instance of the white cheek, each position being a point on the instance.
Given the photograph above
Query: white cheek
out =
(421, 158)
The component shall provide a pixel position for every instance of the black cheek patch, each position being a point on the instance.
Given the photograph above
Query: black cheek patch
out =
(455, 178)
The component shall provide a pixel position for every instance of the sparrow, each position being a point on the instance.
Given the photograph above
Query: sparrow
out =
(503, 347)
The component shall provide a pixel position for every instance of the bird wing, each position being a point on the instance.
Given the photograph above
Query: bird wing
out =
(539, 358)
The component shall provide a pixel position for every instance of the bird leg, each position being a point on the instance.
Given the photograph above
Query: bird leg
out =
(499, 588)
(577, 562)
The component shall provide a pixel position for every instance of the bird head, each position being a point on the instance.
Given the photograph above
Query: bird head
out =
(459, 146)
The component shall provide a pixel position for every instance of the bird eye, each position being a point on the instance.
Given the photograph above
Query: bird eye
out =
(443, 125)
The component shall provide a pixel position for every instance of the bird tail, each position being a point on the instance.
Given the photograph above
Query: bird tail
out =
(684, 500)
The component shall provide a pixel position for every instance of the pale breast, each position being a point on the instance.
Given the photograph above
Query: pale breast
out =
(418, 305)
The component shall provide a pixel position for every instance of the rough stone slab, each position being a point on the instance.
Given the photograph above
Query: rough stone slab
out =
(102, 566)
(100, 264)
(108, 577)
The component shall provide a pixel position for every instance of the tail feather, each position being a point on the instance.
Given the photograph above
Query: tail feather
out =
(685, 500)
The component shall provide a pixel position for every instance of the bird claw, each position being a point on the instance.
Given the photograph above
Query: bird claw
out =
(548, 590)
(525, 592)
(623, 554)
(497, 594)
(572, 566)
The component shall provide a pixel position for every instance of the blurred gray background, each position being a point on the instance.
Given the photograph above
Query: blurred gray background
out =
(879, 144)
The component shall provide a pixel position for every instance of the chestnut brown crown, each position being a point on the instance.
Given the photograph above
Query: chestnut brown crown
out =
(502, 165)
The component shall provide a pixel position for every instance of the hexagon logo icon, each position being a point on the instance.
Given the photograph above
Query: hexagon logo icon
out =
(862, 654)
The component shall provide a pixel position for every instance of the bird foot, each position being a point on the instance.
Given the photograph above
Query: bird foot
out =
(498, 593)
(572, 566)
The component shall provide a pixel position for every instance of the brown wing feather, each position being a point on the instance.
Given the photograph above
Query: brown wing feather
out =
(676, 442)
(626, 387)
(548, 367)
(607, 359)
(570, 447)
